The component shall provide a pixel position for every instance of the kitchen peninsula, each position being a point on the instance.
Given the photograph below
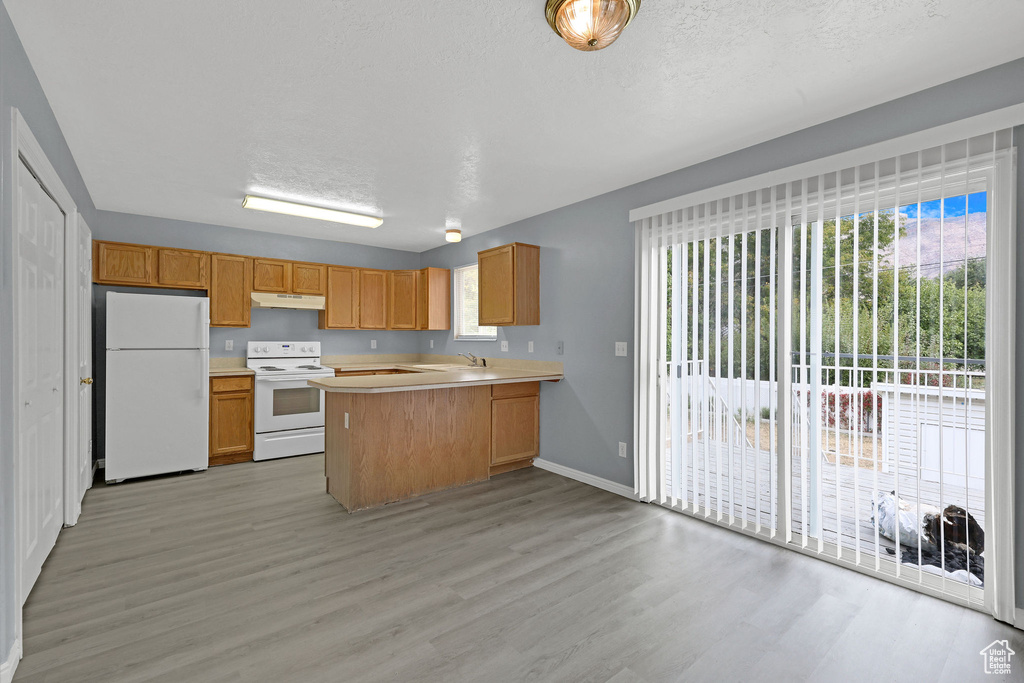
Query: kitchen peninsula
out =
(391, 437)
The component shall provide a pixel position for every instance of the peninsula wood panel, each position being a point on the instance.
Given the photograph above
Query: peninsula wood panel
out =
(309, 278)
(230, 290)
(434, 299)
(406, 443)
(373, 299)
(509, 278)
(115, 263)
(269, 275)
(341, 312)
(182, 269)
(402, 299)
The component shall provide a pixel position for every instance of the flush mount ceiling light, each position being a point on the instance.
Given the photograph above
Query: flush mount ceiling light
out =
(306, 211)
(453, 235)
(590, 25)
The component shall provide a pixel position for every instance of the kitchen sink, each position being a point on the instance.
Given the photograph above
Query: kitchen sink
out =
(444, 367)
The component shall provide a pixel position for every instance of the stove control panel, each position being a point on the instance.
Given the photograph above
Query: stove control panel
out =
(283, 350)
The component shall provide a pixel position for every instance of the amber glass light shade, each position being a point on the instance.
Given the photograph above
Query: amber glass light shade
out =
(590, 25)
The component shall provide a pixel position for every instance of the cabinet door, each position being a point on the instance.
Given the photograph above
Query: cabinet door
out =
(231, 429)
(515, 429)
(402, 299)
(122, 264)
(342, 309)
(230, 290)
(497, 285)
(271, 276)
(434, 301)
(373, 289)
(182, 269)
(309, 278)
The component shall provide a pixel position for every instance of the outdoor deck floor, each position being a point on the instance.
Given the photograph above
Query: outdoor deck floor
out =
(849, 502)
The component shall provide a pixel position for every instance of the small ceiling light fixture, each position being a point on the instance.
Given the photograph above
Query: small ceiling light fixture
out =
(307, 211)
(453, 235)
(590, 25)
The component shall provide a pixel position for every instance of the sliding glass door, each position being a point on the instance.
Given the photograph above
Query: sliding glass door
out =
(813, 365)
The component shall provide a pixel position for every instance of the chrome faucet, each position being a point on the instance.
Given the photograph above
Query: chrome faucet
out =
(475, 362)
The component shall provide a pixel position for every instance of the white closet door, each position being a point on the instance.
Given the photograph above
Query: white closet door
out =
(84, 355)
(40, 361)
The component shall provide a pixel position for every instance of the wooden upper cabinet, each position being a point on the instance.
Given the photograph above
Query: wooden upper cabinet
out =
(402, 299)
(114, 263)
(230, 290)
(182, 269)
(434, 299)
(342, 308)
(373, 291)
(269, 275)
(309, 278)
(510, 285)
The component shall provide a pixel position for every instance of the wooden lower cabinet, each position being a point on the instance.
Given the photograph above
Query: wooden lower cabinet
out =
(515, 425)
(231, 419)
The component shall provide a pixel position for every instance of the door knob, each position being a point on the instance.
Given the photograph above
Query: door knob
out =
(85, 380)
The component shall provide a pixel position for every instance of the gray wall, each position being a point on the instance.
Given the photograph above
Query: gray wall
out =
(267, 325)
(19, 88)
(587, 271)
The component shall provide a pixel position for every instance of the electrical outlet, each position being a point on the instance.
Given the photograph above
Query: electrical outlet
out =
(620, 348)
(229, 344)
(504, 346)
(622, 449)
(373, 343)
(529, 347)
(431, 343)
(560, 348)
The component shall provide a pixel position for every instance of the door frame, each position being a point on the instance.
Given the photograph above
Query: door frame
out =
(25, 146)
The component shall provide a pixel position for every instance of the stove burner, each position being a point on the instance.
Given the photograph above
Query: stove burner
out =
(271, 368)
(309, 367)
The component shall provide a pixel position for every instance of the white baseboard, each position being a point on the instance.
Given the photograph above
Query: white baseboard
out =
(8, 666)
(606, 484)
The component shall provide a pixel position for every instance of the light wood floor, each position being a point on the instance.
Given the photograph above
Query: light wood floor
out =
(252, 573)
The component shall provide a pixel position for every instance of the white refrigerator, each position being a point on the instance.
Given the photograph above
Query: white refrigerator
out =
(157, 385)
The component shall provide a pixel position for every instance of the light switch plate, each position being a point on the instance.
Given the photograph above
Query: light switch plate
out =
(620, 348)
(529, 347)
(373, 343)
(622, 448)
(504, 346)
(229, 344)
(431, 343)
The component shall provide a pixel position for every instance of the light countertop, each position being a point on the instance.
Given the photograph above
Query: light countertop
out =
(229, 372)
(430, 379)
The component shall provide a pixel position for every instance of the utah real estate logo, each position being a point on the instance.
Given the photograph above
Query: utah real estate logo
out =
(997, 657)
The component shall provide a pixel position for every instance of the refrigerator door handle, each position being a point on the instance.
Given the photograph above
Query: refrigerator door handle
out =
(204, 324)
(204, 374)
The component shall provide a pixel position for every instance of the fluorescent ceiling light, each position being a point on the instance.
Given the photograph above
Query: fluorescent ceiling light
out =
(306, 211)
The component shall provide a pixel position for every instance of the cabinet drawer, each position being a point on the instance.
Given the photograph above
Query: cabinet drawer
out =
(517, 389)
(220, 385)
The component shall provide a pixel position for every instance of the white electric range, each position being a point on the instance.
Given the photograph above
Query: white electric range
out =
(289, 414)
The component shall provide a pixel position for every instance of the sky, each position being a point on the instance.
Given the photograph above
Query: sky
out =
(956, 207)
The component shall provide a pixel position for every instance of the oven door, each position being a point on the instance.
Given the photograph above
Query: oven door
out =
(287, 403)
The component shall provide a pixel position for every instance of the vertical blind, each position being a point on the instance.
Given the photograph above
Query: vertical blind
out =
(780, 379)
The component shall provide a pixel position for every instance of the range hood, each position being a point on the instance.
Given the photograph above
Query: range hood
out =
(296, 301)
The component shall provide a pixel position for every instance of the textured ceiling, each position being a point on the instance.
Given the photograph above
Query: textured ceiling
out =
(468, 113)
